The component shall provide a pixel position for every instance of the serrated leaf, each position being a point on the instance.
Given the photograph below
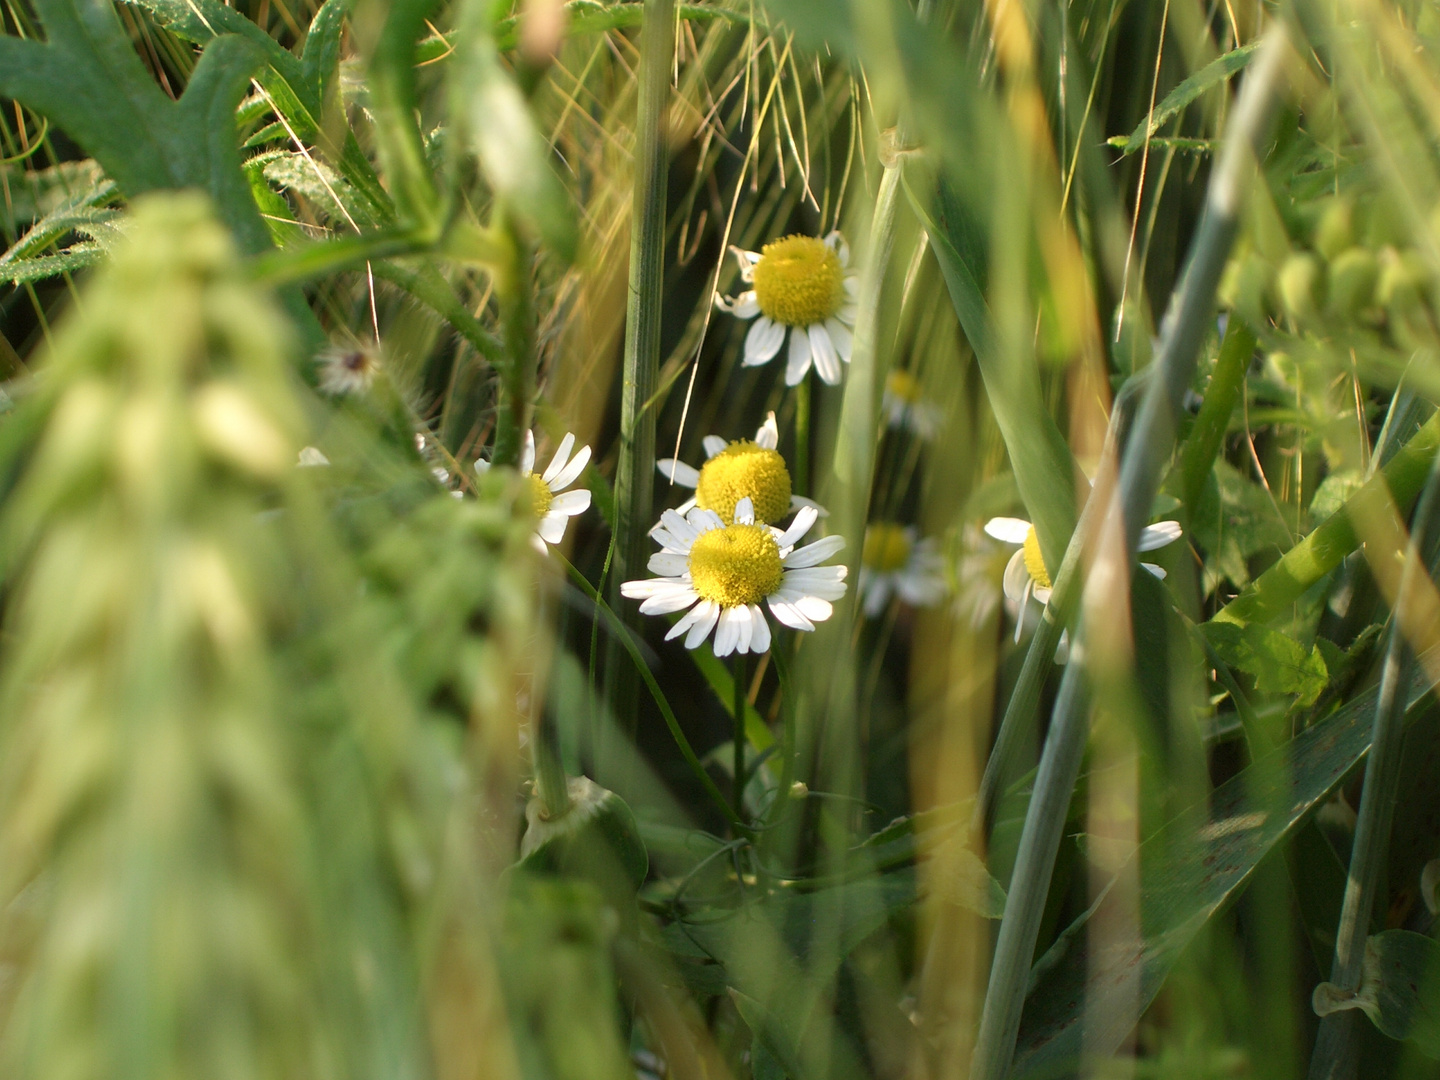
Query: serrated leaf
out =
(75, 257)
(1279, 663)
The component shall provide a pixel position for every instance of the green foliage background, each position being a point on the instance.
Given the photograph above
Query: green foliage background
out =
(318, 769)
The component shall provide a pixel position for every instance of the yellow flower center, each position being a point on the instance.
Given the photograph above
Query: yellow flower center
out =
(736, 565)
(744, 470)
(903, 385)
(540, 495)
(887, 548)
(799, 281)
(1034, 561)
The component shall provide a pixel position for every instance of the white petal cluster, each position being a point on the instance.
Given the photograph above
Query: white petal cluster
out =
(563, 470)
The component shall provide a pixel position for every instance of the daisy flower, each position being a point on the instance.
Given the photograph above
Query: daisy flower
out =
(739, 470)
(894, 562)
(554, 506)
(722, 572)
(905, 407)
(347, 370)
(1025, 573)
(799, 285)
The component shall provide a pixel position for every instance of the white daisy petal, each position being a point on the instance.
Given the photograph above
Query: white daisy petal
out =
(816, 553)
(702, 521)
(814, 609)
(646, 587)
(687, 505)
(768, 434)
(665, 603)
(786, 612)
(798, 501)
(744, 626)
(668, 563)
(481, 466)
(678, 472)
(763, 341)
(679, 526)
(841, 337)
(527, 454)
(877, 596)
(848, 313)
(1041, 593)
(704, 623)
(1158, 535)
(759, 630)
(713, 445)
(538, 544)
(836, 243)
(802, 524)
(1011, 530)
(827, 361)
(746, 305)
(798, 362)
(1017, 581)
(571, 472)
(852, 286)
(1158, 571)
(695, 614)
(557, 463)
(745, 512)
(571, 503)
(726, 633)
(552, 527)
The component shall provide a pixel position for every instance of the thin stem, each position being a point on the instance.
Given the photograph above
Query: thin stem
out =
(802, 438)
(635, 468)
(517, 375)
(1124, 514)
(738, 783)
(1336, 1055)
(625, 637)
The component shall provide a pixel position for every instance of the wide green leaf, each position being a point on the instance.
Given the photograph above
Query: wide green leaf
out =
(1398, 990)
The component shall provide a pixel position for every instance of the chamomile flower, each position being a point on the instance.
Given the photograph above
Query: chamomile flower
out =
(894, 562)
(905, 407)
(345, 370)
(553, 505)
(800, 287)
(739, 470)
(1026, 574)
(721, 573)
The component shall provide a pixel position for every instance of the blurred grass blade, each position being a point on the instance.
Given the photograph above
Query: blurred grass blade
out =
(1337, 1044)
(1191, 870)
(1127, 510)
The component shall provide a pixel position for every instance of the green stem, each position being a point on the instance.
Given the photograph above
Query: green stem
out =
(787, 738)
(1127, 509)
(623, 634)
(738, 727)
(635, 469)
(802, 438)
(1337, 1042)
(517, 376)
(554, 789)
(1226, 384)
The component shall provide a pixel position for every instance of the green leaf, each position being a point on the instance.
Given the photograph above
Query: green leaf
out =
(75, 257)
(1398, 989)
(1279, 663)
(1041, 459)
(1211, 75)
(1191, 870)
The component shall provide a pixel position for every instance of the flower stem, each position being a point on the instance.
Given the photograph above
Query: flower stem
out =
(625, 637)
(802, 438)
(635, 468)
(737, 792)
(517, 376)
(1123, 516)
